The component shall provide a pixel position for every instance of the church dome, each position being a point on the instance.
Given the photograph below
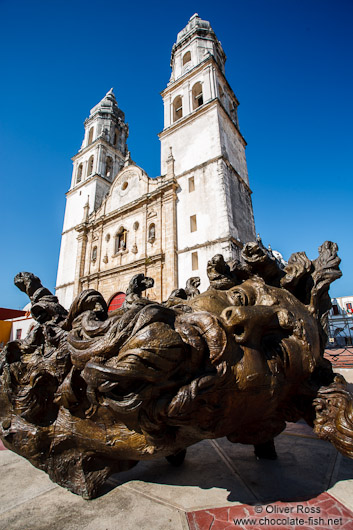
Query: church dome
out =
(108, 100)
(195, 24)
(107, 104)
(197, 41)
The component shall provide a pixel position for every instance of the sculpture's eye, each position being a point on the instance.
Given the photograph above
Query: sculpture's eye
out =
(238, 297)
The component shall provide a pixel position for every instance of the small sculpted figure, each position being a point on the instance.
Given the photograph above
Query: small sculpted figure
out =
(191, 288)
(89, 393)
(137, 285)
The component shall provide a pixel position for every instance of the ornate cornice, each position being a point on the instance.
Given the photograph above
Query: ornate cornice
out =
(226, 239)
(195, 114)
(170, 185)
(89, 179)
(157, 258)
(95, 143)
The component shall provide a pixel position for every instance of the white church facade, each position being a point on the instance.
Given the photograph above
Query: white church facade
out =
(120, 222)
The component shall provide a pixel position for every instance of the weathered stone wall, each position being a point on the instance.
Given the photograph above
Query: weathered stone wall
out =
(232, 145)
(194, 140)
(217, 191)
(239, 205)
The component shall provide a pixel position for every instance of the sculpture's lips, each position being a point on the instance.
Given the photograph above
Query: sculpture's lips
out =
(263, 365)
(274, 348)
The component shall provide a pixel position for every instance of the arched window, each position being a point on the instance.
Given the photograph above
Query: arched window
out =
(197, 97)
(115, 142)
(186, 58)
(120, 240)
(79, 173)
(94, 253)
(177, 108)
(109, 166)
(117, 301)
(152, 233)
(90, 135)
(90, 165)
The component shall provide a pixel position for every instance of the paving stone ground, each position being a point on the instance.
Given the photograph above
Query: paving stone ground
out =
(340, 357)
(221, 486)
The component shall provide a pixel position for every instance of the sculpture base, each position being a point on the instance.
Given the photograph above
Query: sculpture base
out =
(218, 482)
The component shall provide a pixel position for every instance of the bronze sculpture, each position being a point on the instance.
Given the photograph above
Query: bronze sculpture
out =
(87, 393)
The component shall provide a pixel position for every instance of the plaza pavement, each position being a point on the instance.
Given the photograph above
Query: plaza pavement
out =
(220, 486)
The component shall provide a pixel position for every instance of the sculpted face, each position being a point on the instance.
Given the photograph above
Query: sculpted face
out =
(276, 333)
(272, 346)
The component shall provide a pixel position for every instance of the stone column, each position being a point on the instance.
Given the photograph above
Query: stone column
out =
(170, 164)
(100, 155)
(81, 256)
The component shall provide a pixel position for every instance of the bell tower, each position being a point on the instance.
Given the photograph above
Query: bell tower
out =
(201, 129)
(99, 159)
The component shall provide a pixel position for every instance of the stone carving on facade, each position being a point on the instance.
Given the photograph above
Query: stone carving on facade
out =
(127, 161)
(105, 134)
(151, 213)
(152, 233)
(87, 393)
(120, 240)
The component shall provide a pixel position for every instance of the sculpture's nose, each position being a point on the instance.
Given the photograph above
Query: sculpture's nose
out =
(249, 323)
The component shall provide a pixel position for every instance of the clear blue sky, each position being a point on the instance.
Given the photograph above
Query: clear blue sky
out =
(289, 63)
